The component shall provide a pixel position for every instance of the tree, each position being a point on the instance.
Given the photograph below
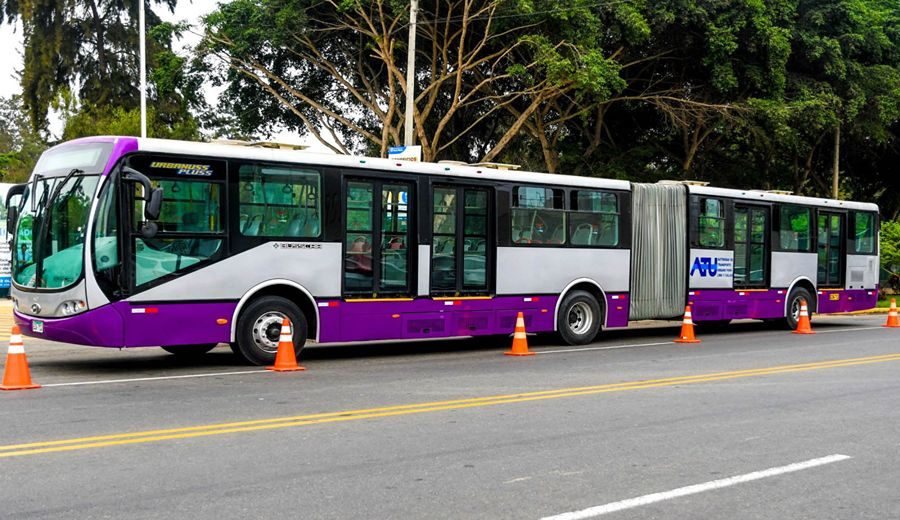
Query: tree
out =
(85, 54)
(890, 251)
(20, 147)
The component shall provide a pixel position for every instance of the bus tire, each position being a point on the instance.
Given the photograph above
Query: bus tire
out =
(578, 321)
(793, 308)
(189, 351)
(259, 327)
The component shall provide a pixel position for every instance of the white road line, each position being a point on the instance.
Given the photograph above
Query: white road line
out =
(561, 351)
(849, 329)
(160, 378)
(697, 488)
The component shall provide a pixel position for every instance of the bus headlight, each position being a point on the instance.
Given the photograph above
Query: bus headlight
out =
(71, 307)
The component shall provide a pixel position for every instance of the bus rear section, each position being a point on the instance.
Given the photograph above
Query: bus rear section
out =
(758, 255)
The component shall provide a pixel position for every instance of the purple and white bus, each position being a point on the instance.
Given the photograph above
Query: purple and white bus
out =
(124, 242)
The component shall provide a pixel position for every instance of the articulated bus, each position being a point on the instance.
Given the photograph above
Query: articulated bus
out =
(125, 242)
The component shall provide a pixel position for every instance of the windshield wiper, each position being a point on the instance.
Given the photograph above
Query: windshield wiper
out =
(34, 181)
(59, 186)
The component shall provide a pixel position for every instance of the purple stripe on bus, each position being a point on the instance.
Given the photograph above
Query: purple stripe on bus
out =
(101, 327)
(617, 305)
(712, 304)
(124, 324)
(123, 146)
(426, 318)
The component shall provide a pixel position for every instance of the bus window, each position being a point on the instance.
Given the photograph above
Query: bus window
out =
(794, 229)
(188, 206)
(594, 220)
(280, 202)
(538, 216)
(358, 272)
(864, 237)
(711, 224)
(394, 238)
(191, 226)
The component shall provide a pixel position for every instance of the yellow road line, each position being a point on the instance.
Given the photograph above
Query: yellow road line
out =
(101, 441)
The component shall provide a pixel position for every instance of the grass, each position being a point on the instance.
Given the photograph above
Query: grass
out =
(883, 304)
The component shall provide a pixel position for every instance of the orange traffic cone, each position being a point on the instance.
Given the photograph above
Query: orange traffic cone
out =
(803, 326)
(285, 358)
(17, 376)
(520, 340)
(687, 328)
(893, 320)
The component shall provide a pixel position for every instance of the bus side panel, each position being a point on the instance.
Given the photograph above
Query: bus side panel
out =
(432, 318)
(862, 272)
(151, 324)
(831, 301)
(314, 265)
(789, 267)
(545, 270)
(713, 305)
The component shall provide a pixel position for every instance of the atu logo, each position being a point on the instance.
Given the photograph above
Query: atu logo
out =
(707, 266)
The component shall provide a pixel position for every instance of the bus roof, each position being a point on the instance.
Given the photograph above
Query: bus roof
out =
(760, 195)
(348, 161)
(461, 170)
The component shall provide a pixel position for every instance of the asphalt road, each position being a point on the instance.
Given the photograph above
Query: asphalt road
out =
(751, 423)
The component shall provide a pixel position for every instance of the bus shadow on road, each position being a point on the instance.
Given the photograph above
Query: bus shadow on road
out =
(114, 363)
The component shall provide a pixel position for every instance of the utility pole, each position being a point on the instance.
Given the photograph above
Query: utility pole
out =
(837, 162)
(408, 138)
(143, 45)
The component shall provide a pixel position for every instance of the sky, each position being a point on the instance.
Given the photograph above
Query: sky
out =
(186, 10)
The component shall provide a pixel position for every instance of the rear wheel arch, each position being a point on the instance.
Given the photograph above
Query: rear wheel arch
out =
(805, 283)
(589, 286)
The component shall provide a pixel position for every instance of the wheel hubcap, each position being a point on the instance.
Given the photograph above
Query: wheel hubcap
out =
(580, 318)
(267, 331)
(795, 309)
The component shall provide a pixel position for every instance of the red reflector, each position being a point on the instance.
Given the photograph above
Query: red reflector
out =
(534, 299)
(152, 310)
(333, 304)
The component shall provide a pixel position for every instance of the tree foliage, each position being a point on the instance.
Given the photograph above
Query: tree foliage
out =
(83, 55)
(20, 146)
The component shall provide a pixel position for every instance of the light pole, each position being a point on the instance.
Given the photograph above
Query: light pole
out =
(410, 74)
(143, 45)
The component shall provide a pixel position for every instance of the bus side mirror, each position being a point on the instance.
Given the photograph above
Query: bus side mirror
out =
(154, 204)
(13, 197)
(12, 215)
(152, 197)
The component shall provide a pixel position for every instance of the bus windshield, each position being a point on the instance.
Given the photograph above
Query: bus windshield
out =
(49, 238)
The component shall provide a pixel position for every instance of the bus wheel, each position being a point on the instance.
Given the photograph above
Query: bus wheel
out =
(793, 309)
(578, 321)
(259, 327)
(189, 351)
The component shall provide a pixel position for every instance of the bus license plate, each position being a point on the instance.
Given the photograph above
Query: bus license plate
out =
(37, 326)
